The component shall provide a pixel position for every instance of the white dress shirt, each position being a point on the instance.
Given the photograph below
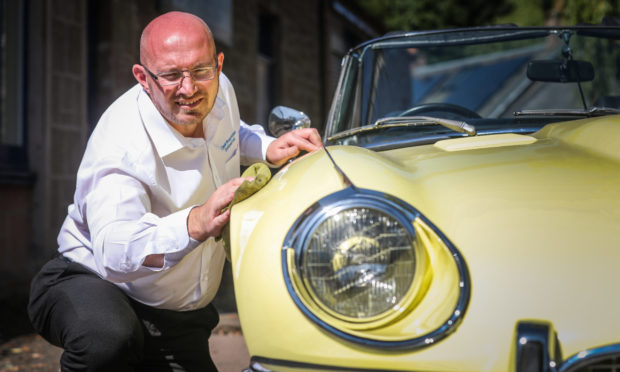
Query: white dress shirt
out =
(137, 182)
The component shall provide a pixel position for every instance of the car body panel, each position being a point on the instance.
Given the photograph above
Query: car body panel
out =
(499, 200)
(475, 161)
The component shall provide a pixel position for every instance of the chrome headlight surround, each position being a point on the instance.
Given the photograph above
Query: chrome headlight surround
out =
(376, 328)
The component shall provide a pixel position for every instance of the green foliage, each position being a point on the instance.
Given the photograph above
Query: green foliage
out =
(527, 13)
(604, 56)
(590, 11)
(436, 14)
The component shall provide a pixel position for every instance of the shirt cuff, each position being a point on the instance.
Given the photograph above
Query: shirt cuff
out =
(176, 223)
(265, 144)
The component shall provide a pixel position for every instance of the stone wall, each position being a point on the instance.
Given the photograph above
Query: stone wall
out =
(78, 60)
(15, 222)
(66, 128)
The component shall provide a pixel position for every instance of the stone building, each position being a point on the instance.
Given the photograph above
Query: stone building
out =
(64, 61)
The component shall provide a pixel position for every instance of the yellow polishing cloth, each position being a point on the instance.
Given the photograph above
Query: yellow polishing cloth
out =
(262, 175)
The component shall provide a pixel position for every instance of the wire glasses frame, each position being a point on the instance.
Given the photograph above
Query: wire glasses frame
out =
(176, 77)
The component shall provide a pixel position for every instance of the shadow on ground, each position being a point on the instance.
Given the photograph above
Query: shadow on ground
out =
(13, 317)
(23, 350)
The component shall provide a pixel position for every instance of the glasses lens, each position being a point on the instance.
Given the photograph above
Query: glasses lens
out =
(170, 78)
(175, 77)
(205, 73)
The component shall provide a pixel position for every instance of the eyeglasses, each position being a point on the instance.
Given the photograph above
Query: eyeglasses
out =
(175, 77)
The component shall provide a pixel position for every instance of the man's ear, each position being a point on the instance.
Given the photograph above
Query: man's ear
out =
(140, 74)
(220, 62)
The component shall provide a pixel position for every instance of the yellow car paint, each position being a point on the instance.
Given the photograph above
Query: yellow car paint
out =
(535, 218)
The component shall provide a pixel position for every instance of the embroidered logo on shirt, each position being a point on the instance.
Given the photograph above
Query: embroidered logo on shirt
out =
(229, 141)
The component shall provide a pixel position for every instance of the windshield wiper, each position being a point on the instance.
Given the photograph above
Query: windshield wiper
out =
(592, 111)
(455, 125)
(409, 121)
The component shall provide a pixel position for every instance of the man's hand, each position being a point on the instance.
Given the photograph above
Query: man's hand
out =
(207, 219)
(292, 143)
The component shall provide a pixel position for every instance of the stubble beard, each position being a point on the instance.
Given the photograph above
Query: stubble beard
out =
(195, 118)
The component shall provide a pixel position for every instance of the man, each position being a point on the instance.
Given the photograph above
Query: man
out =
(139, 260)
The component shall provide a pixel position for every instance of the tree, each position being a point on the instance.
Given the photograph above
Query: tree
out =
(590, 11)
(435, 14)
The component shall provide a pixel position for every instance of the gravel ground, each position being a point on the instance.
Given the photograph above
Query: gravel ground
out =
(29, 353)
(32, 353)
(22, 350)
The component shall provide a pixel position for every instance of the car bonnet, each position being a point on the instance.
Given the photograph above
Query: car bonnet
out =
(535, 217)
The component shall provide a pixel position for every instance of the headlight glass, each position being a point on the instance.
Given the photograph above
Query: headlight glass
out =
(359, 262)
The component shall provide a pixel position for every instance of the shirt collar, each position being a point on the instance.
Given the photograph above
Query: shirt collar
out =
(165, 138)
(212, 121)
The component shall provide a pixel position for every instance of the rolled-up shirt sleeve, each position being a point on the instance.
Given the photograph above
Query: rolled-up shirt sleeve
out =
(135, 186)
(254, 143)
(124, 230)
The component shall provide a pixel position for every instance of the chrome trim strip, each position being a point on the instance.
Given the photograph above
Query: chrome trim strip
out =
(397, 143)
(589, 356)
(542, 338)
(542, 335)
(257, 365)
(350, 197)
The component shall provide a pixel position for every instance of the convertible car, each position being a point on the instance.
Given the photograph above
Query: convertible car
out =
(464, 214)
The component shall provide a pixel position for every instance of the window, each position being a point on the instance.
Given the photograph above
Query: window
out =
(217, 13)
(12, 131)
(266, 66)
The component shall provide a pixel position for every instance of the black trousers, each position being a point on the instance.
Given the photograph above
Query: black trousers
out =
(102, 329)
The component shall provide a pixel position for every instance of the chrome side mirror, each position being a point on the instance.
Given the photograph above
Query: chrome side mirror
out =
(283, 119)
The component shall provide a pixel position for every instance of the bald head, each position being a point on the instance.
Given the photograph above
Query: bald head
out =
(170, 30)
(180, 43)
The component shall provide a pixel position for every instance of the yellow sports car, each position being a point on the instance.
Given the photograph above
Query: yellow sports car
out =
(464, 214)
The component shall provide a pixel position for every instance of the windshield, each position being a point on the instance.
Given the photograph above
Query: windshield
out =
(482, 77)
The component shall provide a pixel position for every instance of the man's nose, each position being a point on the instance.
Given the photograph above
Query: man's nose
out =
(187, 85)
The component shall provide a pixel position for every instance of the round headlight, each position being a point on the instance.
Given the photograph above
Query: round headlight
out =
(361, 265)
(358, 262)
